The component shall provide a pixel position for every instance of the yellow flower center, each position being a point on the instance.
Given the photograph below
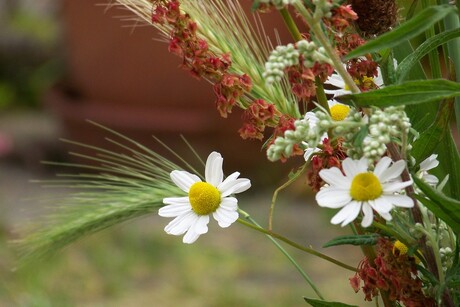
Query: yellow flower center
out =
(365, 186)
(339, 112)
(204, 198)
(400, 248)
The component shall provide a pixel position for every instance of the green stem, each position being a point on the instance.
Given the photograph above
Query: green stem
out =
(293, 244)
(453, 48)
(433, 55)
(256, 226)
(434, 245)
(369, 252)
(275, 194)
(324, 42)
(321, 95)
(295, 33)
(290, 24)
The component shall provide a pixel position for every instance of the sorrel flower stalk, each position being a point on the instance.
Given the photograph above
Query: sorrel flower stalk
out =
(244, 41)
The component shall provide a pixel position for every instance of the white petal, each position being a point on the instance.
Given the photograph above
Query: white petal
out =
(354, 167)
(393, 171)
(380, 205)
(176, 200)
(225, 217)
(309, 152)
(387, 216)
(379, 79)
(201, 225)
(181, 223)
(175, 208)
(430, 179)
(191, 236)
(368, 215)
(338, 92)
(403, 201)
(198, 228)
(382, 165)
(395, 186)
(228, 182)
(234, 186)
(348, 213)
(184, 180)
(429, 163)
(312, 119)
(332, 197)
(334, 176)
(213, 172)
(229, 203)
(336, 80)
(356, 208)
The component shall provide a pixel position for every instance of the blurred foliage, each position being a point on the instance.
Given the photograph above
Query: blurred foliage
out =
(29, 55)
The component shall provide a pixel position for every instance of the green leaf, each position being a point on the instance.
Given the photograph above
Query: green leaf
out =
(449, 160)
(408, 93)
(353, 240)
(406, 31)
(360, 136)
(445, 208)
(319, 303)
(431, 139)
(405, 66)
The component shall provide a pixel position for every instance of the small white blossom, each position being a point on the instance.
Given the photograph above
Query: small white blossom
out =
(191, 213)
(359, 189)
(426, 165)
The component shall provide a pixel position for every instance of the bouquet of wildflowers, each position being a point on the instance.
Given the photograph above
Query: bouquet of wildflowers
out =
(364, 110)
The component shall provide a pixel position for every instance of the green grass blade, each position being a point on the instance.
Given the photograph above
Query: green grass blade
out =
(408, 93)
(406, 65)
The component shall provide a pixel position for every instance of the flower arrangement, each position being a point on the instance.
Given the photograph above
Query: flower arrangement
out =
(350, 99)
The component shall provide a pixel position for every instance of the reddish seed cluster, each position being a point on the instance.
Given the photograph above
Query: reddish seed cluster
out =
(346, 40)
(259, 115)
(228, 90)
(330, 156)
(395, 274)
(342, 17)
(197, 58)
(302, 81)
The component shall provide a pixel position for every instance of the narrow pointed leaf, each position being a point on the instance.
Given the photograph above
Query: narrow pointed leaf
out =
(447, 209)
(433, 137)
(406, 65)
(353, 240)
(408, 93)
(406, 31)
(319, 303)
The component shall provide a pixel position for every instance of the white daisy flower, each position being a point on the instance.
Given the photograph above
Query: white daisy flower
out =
(360, 189)
(342, 89)
(338, 111)
(426, 165)
(192, 212)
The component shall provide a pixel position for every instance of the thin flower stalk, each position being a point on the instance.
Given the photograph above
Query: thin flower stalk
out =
(320, 36)
(256, 226)
(298, 246)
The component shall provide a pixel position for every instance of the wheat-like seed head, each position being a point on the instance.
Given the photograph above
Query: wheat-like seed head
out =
(227, 29)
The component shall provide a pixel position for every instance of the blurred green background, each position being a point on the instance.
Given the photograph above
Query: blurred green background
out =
(135, 264)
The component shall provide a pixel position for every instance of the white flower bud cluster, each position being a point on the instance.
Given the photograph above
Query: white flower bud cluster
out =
(384, 125)
(447, 256)
(305, 132)
(323, 8)
(286, 56)
(279, 4)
